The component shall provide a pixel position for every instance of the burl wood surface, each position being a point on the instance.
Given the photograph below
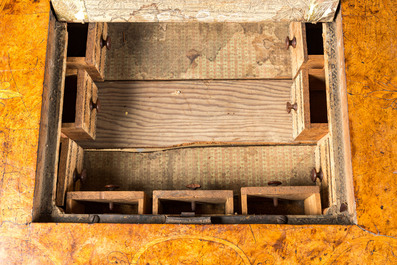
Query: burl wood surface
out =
(370, 49)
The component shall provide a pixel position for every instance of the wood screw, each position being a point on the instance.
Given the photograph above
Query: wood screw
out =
(317, 175)
(291, 107)
(82, 176)
(111, 187)
(193, 187)
(274, 183)
(95, 105)
(106, 42)
(289, 42)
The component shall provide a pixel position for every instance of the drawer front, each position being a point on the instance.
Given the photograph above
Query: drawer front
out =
(299, 53)
(300, 96)
(70, 162)
(96, 53)
(87, 105)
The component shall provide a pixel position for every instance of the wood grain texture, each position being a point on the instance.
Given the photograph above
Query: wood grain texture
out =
(313, 134)
(152, 114)
(206, 11)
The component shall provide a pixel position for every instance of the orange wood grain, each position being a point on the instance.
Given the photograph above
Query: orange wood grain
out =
(370, 51)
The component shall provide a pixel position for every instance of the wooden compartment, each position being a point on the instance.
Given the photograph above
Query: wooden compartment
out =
(70, 167)
(223, 197)
(80, 107)
(308, 93)
(87, 45)
(306, 46)
(156, 134)
(75, 200)
(309, 195)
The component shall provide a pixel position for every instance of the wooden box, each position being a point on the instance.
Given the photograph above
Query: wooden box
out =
(202, 196)
(87, 45)
(74, 199)
(80, 107)
(309, 194)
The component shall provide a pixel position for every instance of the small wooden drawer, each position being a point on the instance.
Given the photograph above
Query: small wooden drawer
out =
(308, 94)
(310, 195)
(303, 55)
(224, 197)
(75, 199)
(80, 107)
(70, 169)
(87, 45)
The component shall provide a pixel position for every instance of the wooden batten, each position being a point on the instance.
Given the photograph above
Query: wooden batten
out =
(167, 113)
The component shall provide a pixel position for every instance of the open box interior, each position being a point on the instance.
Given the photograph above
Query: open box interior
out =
(192, 123)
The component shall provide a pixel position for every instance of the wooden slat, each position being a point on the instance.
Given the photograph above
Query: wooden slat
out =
(165, 113)
(313, 134)
(313, 204)
(315, 61)
(81, 64)
(204, 11)
(203, 196)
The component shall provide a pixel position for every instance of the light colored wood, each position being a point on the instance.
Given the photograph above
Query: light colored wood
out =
(318, 74)
(122, 197)
(313, 134)
(203, 196)
(244, 203)
(84, 126)
(300, 95)
(299, 53)
(71, 71)
(203, 11)
(70, 160)
(313, 204)
(314, 61)
(166, 113)
(95, 57)
(295, 193)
